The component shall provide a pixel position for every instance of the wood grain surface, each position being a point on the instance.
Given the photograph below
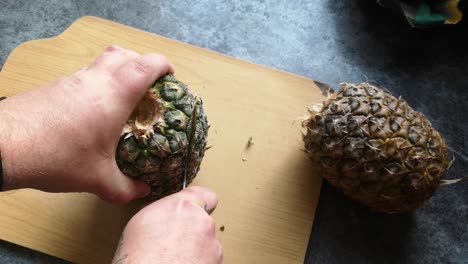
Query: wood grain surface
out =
(267, 201)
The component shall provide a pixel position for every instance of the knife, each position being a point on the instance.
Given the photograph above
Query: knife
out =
(193, 129)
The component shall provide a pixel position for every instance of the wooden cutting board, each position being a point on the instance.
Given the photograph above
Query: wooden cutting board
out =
(267, 202)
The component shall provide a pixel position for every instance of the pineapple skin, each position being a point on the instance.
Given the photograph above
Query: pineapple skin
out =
(156, 153)
(376, 148)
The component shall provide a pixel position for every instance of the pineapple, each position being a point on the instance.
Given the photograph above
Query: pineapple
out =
(376, 148)
(154, 143)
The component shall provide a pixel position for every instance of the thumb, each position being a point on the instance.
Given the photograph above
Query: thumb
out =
(122, 189)
(135, 77)
(205, 198)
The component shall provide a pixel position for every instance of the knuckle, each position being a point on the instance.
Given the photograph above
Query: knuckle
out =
(181, 203)
(102, 58)
(190, 193)
(199, 190)
(113, 47)
(140, 65)
(186, 204)
(194, 188)
(191, 190)
(73, 81)
(206, 225)
(76, 80)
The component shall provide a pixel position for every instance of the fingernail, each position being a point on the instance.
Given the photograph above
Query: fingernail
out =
(113, 48)
(209, 211)
(143, 190)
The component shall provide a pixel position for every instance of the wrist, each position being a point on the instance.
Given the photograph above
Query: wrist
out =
(4, 149)
(10, 181)
(7, 173)
(1, 163)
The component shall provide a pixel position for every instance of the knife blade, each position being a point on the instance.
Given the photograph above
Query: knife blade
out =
(188, 154)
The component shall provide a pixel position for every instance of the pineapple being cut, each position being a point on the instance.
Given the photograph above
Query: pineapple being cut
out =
(376, 148)
(154, 144)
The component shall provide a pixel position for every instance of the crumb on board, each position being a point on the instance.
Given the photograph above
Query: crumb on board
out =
(250, 143)
(221, 228)
(247, 146)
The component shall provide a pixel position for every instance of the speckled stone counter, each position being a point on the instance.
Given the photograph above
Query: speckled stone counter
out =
(330, 41)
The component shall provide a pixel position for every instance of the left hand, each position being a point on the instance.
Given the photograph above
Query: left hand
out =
(62, 136)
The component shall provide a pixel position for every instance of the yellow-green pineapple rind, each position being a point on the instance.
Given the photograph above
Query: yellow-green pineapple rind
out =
(158, 157)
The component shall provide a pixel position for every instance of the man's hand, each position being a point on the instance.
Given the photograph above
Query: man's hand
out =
(176, 229)
(62, 136)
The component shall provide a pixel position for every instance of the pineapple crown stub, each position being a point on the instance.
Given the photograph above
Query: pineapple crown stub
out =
(167, 106)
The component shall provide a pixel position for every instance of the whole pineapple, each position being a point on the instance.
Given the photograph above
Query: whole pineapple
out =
(376, 148)
(154, 143)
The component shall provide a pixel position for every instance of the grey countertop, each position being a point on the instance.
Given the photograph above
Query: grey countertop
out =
(330, 41)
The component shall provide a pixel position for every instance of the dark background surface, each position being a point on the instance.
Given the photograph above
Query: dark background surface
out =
(329, 41)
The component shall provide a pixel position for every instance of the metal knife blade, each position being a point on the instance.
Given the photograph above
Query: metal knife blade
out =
(193, 128)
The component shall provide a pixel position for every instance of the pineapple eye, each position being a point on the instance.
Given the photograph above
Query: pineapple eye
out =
(371, 91)
(172, 92)
(334, 108)
(176, 119)
(348, 92)
(326, 162)
(353, 91)
(177, 140)
(185, 104)
(393, 168)
(328, 123)
(394, 125)
(376, 124)
(352, 124)
(433, 171)
(375, 107)
(158, 145)
(371, 167)
(354, 147)
(353, 103)
(414, 135)
(331, 141)
(349, 164)
(392, 105)
(147, 163)
(413, 181)
(432, 147)
(128, 150)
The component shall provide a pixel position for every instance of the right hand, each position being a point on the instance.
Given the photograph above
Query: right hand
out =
(176, 229)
